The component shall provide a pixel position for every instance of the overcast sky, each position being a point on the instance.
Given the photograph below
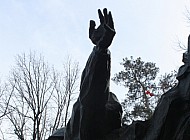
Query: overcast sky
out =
(57, 28)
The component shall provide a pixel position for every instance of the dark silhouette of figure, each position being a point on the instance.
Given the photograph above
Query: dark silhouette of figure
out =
(97, 110)
(171, 119)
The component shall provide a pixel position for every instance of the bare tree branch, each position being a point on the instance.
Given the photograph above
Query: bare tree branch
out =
(40, 96)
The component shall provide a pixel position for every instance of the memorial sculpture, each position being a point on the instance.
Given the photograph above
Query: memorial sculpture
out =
(96, 114)
(97, 111)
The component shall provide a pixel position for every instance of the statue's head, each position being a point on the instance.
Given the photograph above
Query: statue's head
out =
(185, 57)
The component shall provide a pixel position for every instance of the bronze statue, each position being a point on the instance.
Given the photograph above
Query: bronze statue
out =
(96, 114)
(90, 119)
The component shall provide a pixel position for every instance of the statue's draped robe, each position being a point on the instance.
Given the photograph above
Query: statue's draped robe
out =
(171, 119)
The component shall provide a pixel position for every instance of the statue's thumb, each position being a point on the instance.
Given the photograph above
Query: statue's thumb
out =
(92, 27)
(92, 24)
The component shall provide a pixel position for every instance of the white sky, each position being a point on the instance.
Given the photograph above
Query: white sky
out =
(56, 28)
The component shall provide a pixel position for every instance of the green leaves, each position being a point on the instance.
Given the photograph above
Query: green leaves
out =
(139, 77)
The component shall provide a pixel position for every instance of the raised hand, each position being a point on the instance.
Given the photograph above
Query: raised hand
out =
(103, 35)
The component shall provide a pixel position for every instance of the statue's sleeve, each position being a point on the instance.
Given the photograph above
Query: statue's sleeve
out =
(95, 79)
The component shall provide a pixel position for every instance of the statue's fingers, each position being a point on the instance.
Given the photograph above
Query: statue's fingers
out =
(91, 27)
(105, 15)
(110, 20)
(101, 17)
(92, 24)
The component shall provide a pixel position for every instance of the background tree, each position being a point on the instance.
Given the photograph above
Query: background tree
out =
(138, 77)
(4, 100)
(71, 71)
(167, 81)
(4, 103)
(39, 96)
(65, 87)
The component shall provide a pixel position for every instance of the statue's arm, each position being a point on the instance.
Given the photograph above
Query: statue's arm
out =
(94, 87)
(95, 77)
